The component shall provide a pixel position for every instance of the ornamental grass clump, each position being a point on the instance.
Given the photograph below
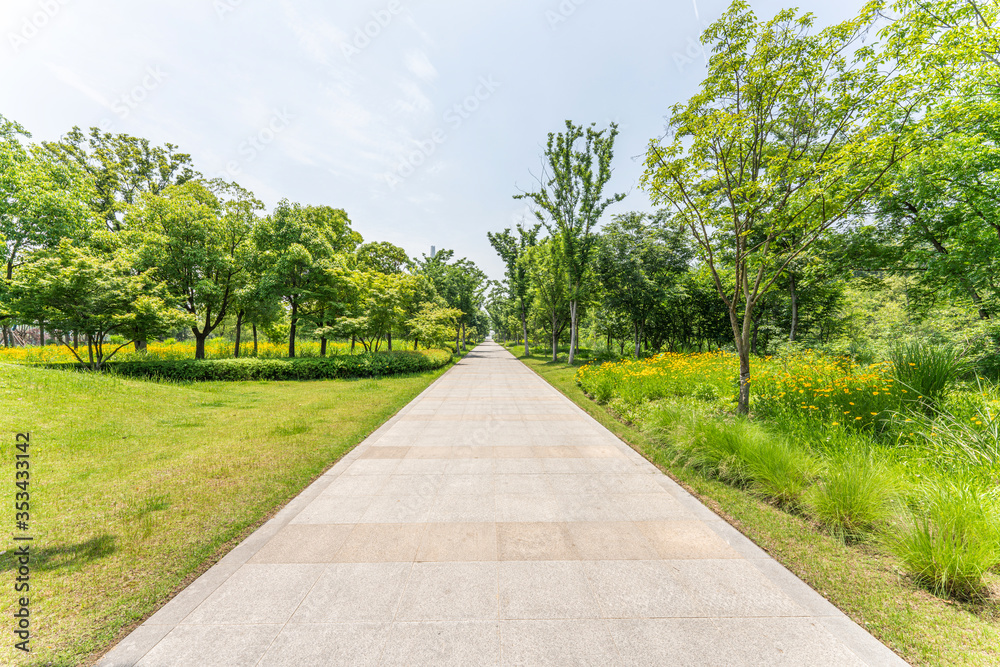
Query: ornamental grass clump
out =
(854, 495)
(927, 371)
(952, 539)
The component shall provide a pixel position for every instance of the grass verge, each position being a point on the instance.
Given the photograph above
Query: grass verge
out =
(138, 486)
(868, 586)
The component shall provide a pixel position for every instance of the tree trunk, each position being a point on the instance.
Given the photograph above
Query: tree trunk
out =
(76, 339)
(524, 330)
(199, 344)
(458, 336)
(388, 339)
(743, 405)
(41, 334)
(353, 340)
(555, 340)
(795, 309)
(239, 334)
(463, 337)
(322, 346)
(636, 336)
(255, 339)
(140, 345)
(572, 331)
(90, 350)
(291, 331)
(415, 341)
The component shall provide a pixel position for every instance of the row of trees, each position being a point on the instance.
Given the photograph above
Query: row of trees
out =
(807, 160)
(107, 235)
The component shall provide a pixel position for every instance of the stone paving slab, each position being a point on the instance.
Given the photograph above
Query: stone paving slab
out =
(493, 522)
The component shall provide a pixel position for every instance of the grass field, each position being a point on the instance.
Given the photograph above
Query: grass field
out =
(136, 486)
(870, 586)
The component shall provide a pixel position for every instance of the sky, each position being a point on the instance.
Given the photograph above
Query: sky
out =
(421, 119)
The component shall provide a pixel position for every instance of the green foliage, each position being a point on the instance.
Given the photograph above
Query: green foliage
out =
(570, 205)
(369, 365)
(953, 538)
(927, 371)
(72, 289)
(786, 137)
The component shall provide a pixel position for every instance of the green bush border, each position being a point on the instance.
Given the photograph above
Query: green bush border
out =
(366, 365)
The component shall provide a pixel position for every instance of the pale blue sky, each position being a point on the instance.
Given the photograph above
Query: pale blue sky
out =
(421, 119)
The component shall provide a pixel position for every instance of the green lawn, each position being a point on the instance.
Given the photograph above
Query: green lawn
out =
(868, 586)
(137, 486)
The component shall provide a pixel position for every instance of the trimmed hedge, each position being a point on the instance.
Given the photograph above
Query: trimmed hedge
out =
(378, 364)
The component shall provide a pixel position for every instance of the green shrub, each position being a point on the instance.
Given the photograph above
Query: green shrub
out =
(313, 368)
(853, 496)
(927, 370)
(952, 540)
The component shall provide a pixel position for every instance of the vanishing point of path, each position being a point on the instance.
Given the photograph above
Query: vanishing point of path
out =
(493, 522)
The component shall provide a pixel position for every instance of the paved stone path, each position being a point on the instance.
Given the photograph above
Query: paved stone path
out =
(493, 522)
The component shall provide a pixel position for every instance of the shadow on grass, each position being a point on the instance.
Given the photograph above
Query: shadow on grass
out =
(48, 559)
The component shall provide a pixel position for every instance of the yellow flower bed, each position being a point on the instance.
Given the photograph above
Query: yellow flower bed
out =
(829, 388)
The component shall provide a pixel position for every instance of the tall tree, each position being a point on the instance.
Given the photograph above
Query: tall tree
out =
(790, 134)
(547, 271)
(300, 245)
(569, 202)
(122, 168)
(512, 251)
(41, 203)
(195, 235)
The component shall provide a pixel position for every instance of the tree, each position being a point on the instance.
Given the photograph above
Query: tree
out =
(787, 137)
(299, 245)
(74, 289)
(41, 202)
(513, 251)
(941, 220)
(197, 241)
(381, 256)
(122, 168)
(433, 323)
(547, 270)
(461, 284)
(637, 264)
(569, 199)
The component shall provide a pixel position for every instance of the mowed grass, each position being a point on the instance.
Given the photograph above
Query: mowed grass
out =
(870, 586)
(137, 485)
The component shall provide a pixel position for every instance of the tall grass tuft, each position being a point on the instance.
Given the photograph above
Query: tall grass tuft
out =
(926, 370)
(953, 538)
(779, 470)
(854, 495)
(738, 451)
